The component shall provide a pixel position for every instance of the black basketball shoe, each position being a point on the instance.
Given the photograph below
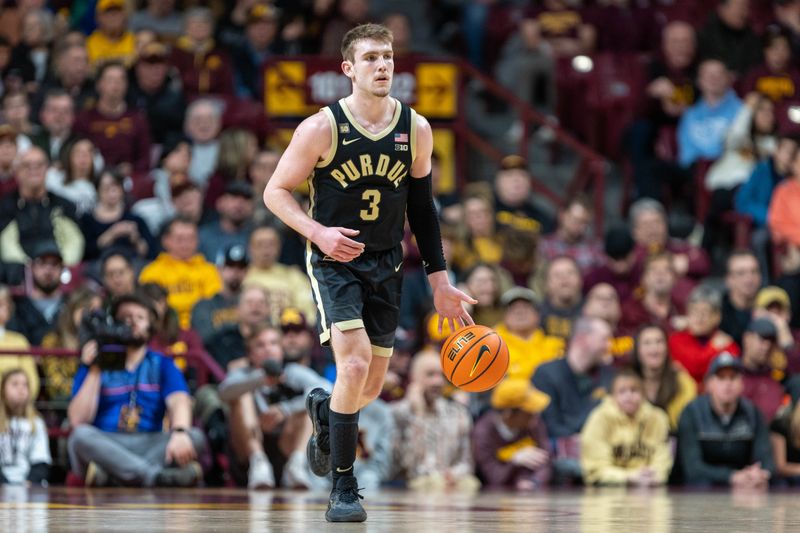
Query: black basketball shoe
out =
(344, 505)
(318, 449)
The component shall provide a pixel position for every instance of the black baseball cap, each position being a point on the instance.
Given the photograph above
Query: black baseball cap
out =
(764, 328)
(239, 188)
(236, 255)
(723, 361)
(46, 248)
(619, 242)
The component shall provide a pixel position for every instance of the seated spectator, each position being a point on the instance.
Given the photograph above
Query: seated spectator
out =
(742, 281)
(74, 177)
(202, 126)
(510, 442)
(782, 214)
(527, 68)
(528, 345)
(572, 238)
(204, 67)
(727, 35)
(513, 206)
(785, 438)
(649, 228)
(702, 128)
(237, 149)
(565, 28)
(722, 437)
(161, 16)
(121, 133)
(117, 275)
(227, 344)
(219, 311)
(59, 371)
(260, 42)
(111, 225)
(167, 337)
(432, 448)
(35, 313)
(344, 16)
(57, 118)
(786, 18)
(72, 74)
(481, 244)
(8, 154)
(31, 216)
(267, 400)
(154, 90)
(111, 41)
(774, 304)
(653, 302)
(625, 439)
(300, 344)
(486, 282)
(234, 225)
(760, 385)
(16, 112)
(776, 78)
(31, 56)
(23, 436)
(575, 384)
(602, 302)
(261, 169)
(185, 274)
(754, 196)
(117, 415)
(286, 286)
(562, 296)
(618, 267)
(10, 340)
(702, 340)
(666, 384)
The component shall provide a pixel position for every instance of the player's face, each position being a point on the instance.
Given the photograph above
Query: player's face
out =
(372, 67)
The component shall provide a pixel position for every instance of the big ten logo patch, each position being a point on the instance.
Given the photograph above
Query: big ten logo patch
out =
(459, 344)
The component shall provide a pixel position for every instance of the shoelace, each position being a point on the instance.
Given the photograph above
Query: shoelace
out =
(351, 494)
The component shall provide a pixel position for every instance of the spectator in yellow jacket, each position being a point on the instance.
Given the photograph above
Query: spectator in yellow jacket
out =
(11, 340)
(625, 439)
(528, 345)
(184, 273)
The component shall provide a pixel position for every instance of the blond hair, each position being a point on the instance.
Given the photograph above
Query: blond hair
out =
(374, 32)
(29, 411)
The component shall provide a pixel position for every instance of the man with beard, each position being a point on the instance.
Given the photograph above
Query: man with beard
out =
(299, 344)
(117, 415)
(235, 210)
(227, 344)
(743, 280)
(212, 314)
(35, 313)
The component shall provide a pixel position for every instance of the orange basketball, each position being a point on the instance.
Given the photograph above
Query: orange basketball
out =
(475, 358)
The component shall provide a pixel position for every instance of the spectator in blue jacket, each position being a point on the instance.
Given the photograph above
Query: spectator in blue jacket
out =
(703, 128)
(753, 197)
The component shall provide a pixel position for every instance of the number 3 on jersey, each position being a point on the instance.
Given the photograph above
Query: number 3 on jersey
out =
(373, 196)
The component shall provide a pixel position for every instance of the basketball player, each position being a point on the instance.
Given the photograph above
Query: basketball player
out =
(367, 159)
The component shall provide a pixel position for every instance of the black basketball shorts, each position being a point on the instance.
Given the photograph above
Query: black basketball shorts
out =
(364, 293)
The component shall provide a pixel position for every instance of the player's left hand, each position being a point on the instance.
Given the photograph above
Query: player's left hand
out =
(449, 303)
(179, 449)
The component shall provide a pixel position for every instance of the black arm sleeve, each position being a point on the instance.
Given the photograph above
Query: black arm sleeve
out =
(424, 222)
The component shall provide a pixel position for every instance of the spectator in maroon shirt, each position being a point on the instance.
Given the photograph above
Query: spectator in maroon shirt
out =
(728, 36)
(695, 347)
(653, 303)
(776, 78)
(562, 296)
(572, 238)
(619, 264)
(205, 68)
(760, 384)
(649, 229)
(8, 153)
(565, 28)
(773, 302)
(121, 134)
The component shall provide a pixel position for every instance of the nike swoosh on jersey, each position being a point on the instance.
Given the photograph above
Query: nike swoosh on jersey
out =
(397, 268)
(345, 142)
(484, 349)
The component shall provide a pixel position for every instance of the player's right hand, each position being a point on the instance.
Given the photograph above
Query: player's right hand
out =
(337, 244)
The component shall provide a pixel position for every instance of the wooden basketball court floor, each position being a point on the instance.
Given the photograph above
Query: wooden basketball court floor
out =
(229, 510)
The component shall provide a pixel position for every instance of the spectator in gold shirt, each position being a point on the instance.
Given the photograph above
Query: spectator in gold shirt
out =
(111, 39)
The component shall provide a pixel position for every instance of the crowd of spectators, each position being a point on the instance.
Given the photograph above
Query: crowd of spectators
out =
(651, 355)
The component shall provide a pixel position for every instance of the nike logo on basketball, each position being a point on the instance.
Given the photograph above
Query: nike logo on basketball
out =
(397, 268)
(484, 349)
(345, 142)
(343, 470)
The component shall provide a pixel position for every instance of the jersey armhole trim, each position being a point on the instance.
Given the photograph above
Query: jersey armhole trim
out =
(413, 135)
(334, 139)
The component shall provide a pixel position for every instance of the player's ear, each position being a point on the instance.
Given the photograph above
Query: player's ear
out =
(347, 68)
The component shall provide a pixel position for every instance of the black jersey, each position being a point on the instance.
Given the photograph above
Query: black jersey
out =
(363, 183)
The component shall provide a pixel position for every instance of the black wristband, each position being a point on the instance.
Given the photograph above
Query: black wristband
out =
(179, 430)
(424, 222)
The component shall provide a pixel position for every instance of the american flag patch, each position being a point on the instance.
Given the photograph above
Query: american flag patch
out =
(401, 137)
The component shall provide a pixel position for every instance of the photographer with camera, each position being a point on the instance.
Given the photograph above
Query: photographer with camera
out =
(120, 396)
(267, 401)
